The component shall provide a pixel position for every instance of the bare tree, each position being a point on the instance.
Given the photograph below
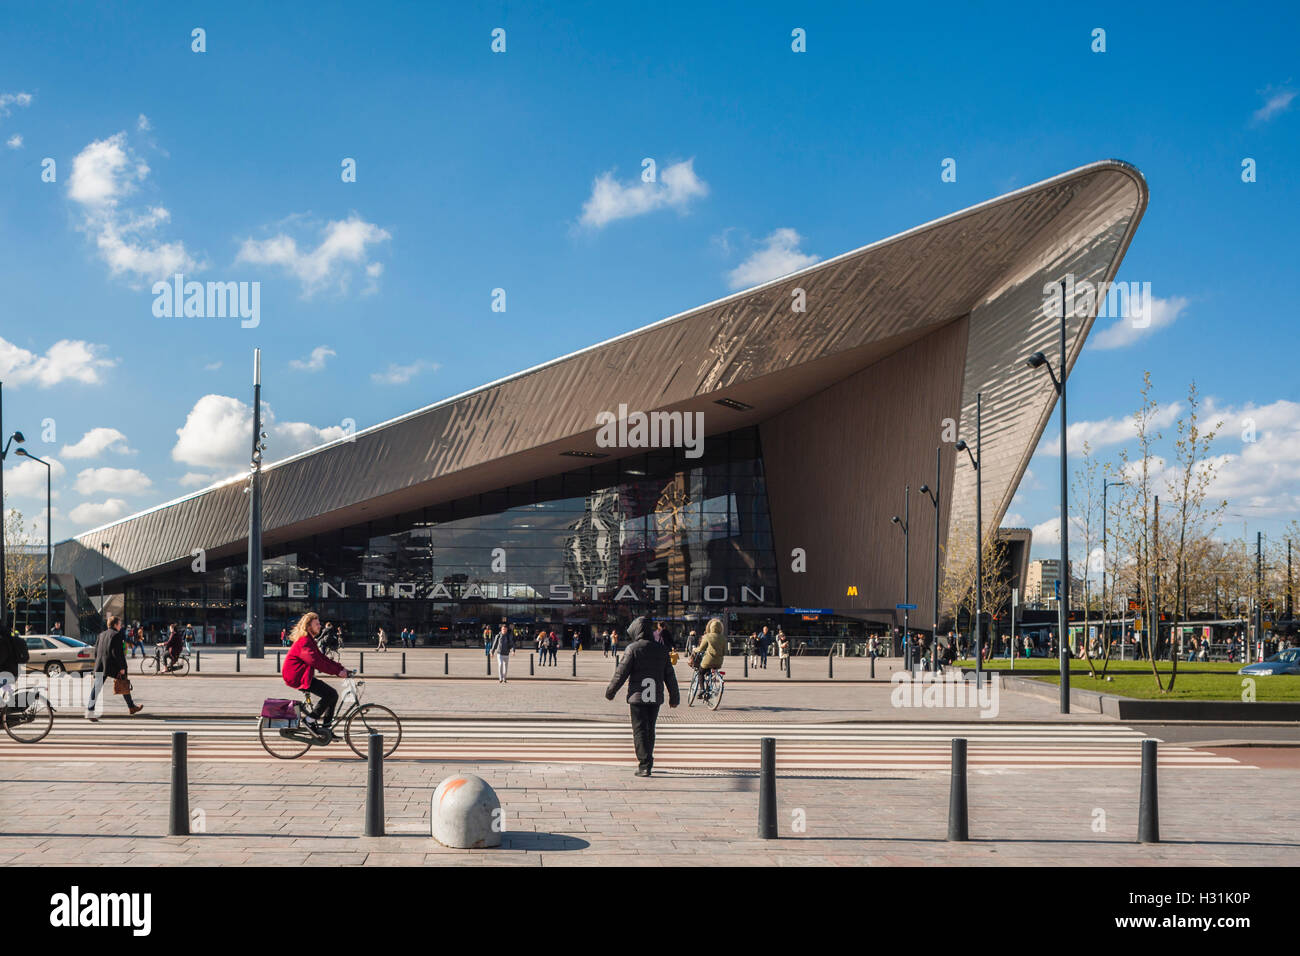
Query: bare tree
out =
(24, 568)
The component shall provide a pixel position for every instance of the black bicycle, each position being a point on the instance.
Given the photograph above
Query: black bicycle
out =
(158, 663)
(708, 688)
(27, 715)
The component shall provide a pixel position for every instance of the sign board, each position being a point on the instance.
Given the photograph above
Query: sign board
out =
(905, 607)
(810, 610)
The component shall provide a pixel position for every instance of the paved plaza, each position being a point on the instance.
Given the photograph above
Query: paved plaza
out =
(859, 780)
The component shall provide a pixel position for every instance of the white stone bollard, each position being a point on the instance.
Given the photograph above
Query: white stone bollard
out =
(466, 813)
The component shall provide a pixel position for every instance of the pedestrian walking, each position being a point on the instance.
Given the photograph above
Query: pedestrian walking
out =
(110, 661)
(502, 645)
(553, 645)
(381, 641)
(487, 641)
(604, 643)
(613, 642)
(764, 642)
(647, 672)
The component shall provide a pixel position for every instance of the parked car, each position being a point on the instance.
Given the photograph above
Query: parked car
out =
(1283, 662)
(56, 654)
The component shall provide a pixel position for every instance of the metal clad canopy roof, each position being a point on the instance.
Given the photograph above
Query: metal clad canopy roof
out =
(990, 261)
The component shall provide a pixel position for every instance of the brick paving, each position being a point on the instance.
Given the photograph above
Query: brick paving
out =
(80, 813)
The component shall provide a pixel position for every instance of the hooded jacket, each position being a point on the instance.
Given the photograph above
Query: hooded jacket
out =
(645, 668)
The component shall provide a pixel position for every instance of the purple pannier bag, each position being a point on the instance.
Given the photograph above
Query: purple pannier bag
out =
(280, 713)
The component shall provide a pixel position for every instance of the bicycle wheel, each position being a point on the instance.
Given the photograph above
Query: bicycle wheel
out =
(181, 667)
(694, 690)
(715, 692)
(30, 723)
(278, 745)
(149, 665)
(372, 719)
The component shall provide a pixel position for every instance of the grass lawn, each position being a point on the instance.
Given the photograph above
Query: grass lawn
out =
(1212, 680)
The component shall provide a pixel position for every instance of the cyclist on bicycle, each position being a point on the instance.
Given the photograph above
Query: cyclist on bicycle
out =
(301, 663)
(712, 649)
(175, 641)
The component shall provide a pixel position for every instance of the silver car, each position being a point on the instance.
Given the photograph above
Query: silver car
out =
(1283, 662)
(56, 654)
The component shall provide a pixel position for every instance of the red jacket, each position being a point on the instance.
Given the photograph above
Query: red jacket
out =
(303, 659)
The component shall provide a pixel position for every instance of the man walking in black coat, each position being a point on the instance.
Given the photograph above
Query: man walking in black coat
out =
(646, 669)
(110, 662)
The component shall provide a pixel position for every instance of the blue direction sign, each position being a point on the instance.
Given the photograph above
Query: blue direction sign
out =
(905, 607)
(810, 610)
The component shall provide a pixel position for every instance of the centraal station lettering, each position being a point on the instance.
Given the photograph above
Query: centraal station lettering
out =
(558, 593)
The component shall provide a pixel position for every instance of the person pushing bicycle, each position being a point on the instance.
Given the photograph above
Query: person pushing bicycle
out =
(301, 663)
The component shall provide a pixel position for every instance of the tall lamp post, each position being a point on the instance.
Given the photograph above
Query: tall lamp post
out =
(255, 638)
(907, 588)
(977, 459)
(1039, 360)
(103, 549)
(48, 500)
(934, 498)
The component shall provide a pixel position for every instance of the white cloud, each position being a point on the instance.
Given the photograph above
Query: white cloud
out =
(1113, 431)
(142, 124)
(314, 362)
(15, 141)
(401, 374)
(1275, 101)
(1127, 330)
(345, 244)
(95, 442)
(196, 479)
(212, 366)
(27, 480)
(218, 434)
(122, 481)
(779, 256)
(9, 100)
(1049, 532)
(67, 360)
(92, 514)
(103, 174)
(676, 187)
(1013, 520)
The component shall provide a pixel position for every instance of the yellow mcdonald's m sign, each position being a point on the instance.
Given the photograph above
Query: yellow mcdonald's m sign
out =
(853, 591)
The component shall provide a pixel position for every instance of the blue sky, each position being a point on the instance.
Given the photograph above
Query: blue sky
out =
(479, 170)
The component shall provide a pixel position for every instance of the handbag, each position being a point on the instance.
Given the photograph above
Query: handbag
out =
(121, 685)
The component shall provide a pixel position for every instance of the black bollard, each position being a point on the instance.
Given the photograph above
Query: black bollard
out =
(873, 667)
(787, 667)
(746, 665)
(530, 665)
(178, 819)
(197, 655)
(236, 662)
(1149, 802)
(958, 824)
(830, 664)
(403, 662)
(489, 664)
(375, 786)
(362, 666)
(767, 789)
(575, 663)
(445, 658)
(277, 660)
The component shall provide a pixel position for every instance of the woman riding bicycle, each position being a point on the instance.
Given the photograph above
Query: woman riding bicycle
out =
(301, 663)
(712, 648)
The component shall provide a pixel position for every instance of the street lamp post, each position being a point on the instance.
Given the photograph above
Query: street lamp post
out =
(934, 497)
(254, 638)
(103, 549)
(48, 504)
(1039, 360)
(976, 460)
(4, 452)
(907, 593)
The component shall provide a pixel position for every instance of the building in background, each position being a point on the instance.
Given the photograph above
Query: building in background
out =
(818, 396)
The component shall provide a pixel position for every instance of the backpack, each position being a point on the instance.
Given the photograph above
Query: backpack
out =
(21, 651)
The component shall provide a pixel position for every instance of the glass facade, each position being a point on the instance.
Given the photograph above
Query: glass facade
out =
(677, 538)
